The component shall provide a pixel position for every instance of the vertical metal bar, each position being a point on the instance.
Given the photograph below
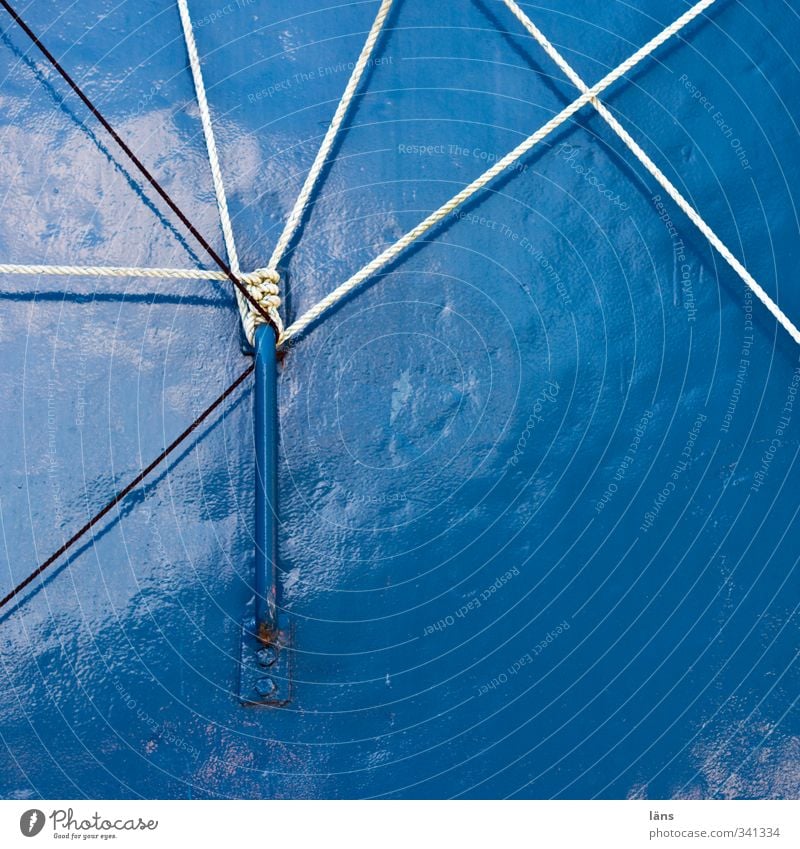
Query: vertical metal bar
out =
(265, 676)
(266, 440)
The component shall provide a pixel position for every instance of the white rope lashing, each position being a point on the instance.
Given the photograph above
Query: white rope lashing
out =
(657, 173)
(480, 182)
(263, 282)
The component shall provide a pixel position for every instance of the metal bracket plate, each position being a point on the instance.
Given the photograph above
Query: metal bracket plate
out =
(265, 670)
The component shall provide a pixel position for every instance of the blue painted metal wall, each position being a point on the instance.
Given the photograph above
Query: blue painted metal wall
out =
(538, 519)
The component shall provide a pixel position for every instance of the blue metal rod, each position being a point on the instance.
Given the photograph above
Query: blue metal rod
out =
(266, 439)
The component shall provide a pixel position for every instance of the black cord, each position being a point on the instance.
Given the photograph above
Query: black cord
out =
(132, 485)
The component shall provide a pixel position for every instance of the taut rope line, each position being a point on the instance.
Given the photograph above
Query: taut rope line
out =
(117, 271)
(296, 215)
(213, 157)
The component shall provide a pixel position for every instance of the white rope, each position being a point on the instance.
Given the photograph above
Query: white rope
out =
(656, 172)
(117, 271)
(480, 182)
(296, 215)
(263, 285)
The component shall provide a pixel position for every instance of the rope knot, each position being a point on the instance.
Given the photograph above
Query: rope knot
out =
(262, 284)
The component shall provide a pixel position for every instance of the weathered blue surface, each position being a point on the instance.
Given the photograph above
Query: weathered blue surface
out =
(451, 438)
